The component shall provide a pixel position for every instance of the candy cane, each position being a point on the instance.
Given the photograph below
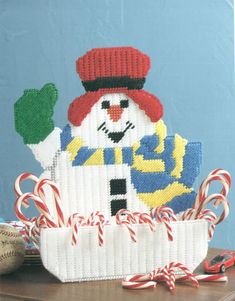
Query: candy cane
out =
(125, 217)
(219, 199)
(19, 179)
(204, 278)
(209, 216)
(138, 285)
(146, 278)
(38, 189)
(187, 214)
(160, 211)
(171, 281)
(185, 270)
(164, 215)
(128, 215)
(97, 219)
(39, 223)
(27, 228)
(216, 175)
(168, 228)
(40, 205)
(76, 220)
(227, 179)
(144, 218)
(34, 230)
(165, 274)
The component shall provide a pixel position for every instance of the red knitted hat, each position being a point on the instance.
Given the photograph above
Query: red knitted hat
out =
(113, 67)
(113, 70)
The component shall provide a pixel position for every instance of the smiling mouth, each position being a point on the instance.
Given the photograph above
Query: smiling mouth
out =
(116, 136)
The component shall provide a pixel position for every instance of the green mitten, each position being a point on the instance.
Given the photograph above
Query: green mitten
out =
(33, 113)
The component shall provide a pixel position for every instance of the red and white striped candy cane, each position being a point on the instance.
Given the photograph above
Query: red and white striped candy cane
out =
(209, 216)
(27, 228)
(171, 281)
(74, 221)
(227, 179)
(134, 282)
(164, 274)
(38, 190)
(216, 175)
(139, 277)
(96, 218)
(145, 218)
(166, 222)
(167, 274)
(185, 270)
(130, 216)
(218, 199)
(39, 204)
(21, 178)
(187, 214)
(34, 233)
(204, 278)
(160, 211)
(164, 215)
(38, 223)
(138, 285)
(125, 217)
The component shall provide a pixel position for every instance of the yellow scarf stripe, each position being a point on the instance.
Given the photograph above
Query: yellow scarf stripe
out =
(96, 159)
(139, 163)
(73, 147)
(148, 165)
(161, 132)
(162, 196)
(178, 155)
(118, 155)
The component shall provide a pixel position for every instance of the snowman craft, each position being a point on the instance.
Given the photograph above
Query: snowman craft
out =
(114, 153)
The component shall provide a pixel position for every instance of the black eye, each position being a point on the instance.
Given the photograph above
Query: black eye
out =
(105, 104)
(124, 103)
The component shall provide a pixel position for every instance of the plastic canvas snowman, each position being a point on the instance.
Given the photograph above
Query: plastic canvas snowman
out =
(114, 153)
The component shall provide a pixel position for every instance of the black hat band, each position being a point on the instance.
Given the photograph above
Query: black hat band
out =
(114, 82)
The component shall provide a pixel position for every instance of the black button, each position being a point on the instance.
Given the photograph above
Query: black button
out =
(118, 186)
(116, 205)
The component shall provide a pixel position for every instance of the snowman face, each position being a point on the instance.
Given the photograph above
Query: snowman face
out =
(114, 121)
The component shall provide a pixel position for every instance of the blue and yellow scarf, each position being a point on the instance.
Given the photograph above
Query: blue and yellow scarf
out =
(163, 168)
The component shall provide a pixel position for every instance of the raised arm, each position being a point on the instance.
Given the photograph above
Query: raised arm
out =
(33, 121)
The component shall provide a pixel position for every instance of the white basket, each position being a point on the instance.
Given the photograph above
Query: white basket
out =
(120, 256)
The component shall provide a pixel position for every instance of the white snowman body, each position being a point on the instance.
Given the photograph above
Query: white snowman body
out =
(115, 121)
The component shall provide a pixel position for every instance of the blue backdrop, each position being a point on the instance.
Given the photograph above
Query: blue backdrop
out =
(191, 45)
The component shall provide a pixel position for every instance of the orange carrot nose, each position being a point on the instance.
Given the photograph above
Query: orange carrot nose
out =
(115, 112)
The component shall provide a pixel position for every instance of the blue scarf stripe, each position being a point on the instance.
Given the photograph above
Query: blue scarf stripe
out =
(150, 154)
(182, 202)
(166, 156)
(109, 156)
(65, 137)
(192, 162)
(83, 154)
(154, 180)
(127, 155)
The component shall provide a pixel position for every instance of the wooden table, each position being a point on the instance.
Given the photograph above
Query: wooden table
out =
(35, 283)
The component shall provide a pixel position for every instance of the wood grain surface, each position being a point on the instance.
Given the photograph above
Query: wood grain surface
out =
(35, 283)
